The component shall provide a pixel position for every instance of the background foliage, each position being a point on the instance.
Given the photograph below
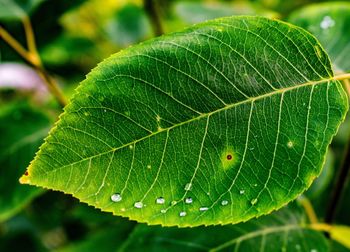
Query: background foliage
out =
(71, 38)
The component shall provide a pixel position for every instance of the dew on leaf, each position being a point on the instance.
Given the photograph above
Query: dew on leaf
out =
(313, 250)
(224, 202)
(131, 147)
(163, 211)
(149, 166)
(188, 200)
(138, 204)
(327, 22)
(116, 197)
(182, 214)
(290, 144)
(241, 192)
(160, 200)
(203, 209)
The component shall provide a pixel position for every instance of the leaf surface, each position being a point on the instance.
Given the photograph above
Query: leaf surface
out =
(330, 23)
(225, 121)
(22, 131)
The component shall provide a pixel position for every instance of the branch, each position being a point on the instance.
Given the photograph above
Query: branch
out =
(152, 10)
(32, 58)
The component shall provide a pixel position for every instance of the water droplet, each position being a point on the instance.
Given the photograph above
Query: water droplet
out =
(188, 200)
(188, 186)
(224, 202)
(131, 147)
(290, 144)
(86, 114)
(255, 185)
(138, 204)
(163, 211)
(203, 208)
(116, 197)
(254, 201)
(122, 209)
(313, 250)
(149, 166)
(174, 202)
(241, 192)
(182, 214)
(105, 110)
(327, 22)
(160, 200)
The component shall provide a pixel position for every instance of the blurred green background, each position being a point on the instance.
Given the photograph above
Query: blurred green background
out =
(72, 37)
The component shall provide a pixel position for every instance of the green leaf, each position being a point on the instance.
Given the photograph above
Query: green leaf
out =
(109, 238)
(225, 121)
(128, 26)
(330, 23)
(22, 131)
(17, 9)
(195, 12)
(280, 231)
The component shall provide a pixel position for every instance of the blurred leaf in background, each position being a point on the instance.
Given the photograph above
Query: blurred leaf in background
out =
(22, 131)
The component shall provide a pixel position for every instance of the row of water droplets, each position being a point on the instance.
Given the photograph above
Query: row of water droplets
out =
(161, 201)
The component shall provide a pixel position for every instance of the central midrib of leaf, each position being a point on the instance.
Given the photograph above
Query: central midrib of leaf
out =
(227, 107)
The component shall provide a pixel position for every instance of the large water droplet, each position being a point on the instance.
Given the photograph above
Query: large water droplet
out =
(116, 197)
(138, 204)
(188, 200)
(327, 22)
(203, 209)
(160, 200)
(224, 202)
(188, 186)
(182, 214)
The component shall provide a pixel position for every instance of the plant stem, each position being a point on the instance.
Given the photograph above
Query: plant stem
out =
(339, 187)
(309, 210)
(13, 43)
(152, 10)
(32, 57)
